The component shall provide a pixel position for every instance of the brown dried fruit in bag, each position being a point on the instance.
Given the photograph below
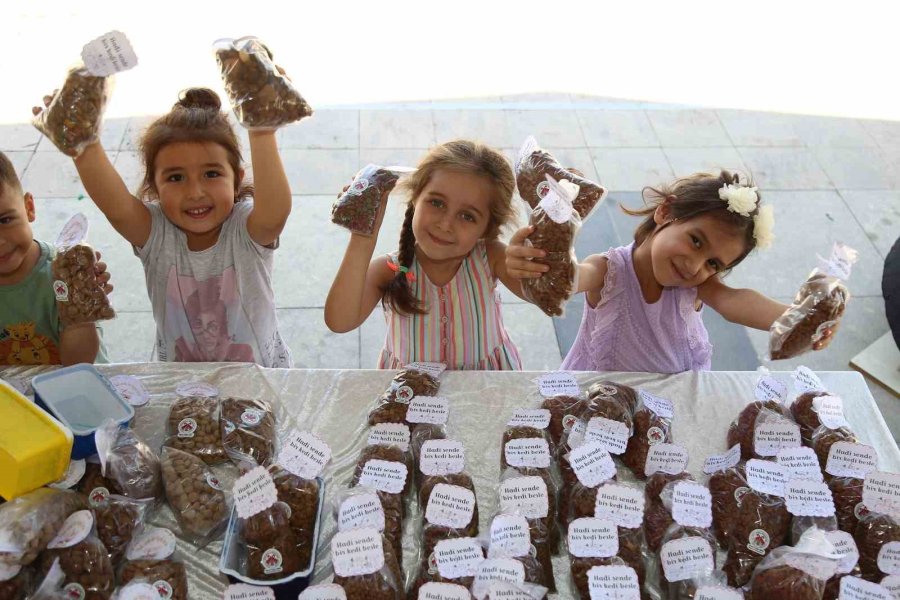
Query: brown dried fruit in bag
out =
(72, 121)
(743, 429)
(762, 525)
(86, 565)
(117, 520)
(357, 208)
(194, 427)
(248, 430)
(820, 303)
(552, 289)
(79, 295)
(302, 496)
(191, 489)
(649, 429)
(874, 531)
(167, 576)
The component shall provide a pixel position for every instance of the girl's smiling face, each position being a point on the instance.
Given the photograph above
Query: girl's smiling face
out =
(452, 214)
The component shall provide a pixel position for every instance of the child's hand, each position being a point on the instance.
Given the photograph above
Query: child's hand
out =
(519, 263)
(827, 338)
(36, 110)
(102, 275)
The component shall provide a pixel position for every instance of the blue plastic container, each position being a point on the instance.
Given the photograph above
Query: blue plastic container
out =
(287, 588)
(81, 399)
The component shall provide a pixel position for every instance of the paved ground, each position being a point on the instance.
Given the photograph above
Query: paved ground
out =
(828, 179)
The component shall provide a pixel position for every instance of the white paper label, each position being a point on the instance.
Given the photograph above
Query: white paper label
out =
(244, 591)
(721, 462)
(384, 476)
(73, 232)
(138, 591)
(442, 457)
(450, 506)
(539, 418)
(831, 411)
(662, 407)
(809, 498)
(691, 504)
(686, 558)
(558, 383)
(807, 381)
(74, 473)
(612, 434)
(428, 409)
(74, 530)
(108, 54)
(557, 202)
(854, 588)
(304, 454)
(527, 452)
(154, 543)
(432, 368)
(840, 262)
(61, 291)
(443, 591)
(718, 592)
(504, 590)
(325, 591)
(360, 511)
(390, 434)
(613, 583)
(497, 569)
(802, 463)
(772, 437)
(527, 495)
(845, 546)
(592, 464)
(620, 504)
(767, 477)
(667, 458)
(769, 388)
(881, 493)
(846, 459)
(131, 389)
(196, 388)
(889, 558)
(254, 492)
(819, 567)
(510, 537)
(892, 584)
(593, 538)
(458, 557)
(357, 552)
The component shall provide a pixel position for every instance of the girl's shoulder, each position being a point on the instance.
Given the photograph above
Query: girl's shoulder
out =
(380, 270)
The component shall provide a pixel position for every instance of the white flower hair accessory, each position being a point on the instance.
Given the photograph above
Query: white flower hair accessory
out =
(741, 199)
(763, 223)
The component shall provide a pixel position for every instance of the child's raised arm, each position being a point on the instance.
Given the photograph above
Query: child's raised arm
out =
(272, 198)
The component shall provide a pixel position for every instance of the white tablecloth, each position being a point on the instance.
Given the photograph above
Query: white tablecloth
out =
(334, 405)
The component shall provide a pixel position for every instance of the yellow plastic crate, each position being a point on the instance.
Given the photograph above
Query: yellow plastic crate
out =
(34, 447)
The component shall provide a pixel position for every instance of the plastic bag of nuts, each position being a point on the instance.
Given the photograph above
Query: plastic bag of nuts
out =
(563, 414)
(611, 389)
(152, 559)
(248, 430)
(658, 505)
(650, 428)
(270, 543)
(727, 487)
(510, 538)
(302, 496)
(406, 384)
(555, 224)
(194, 494)
(387, 470)
(73, 118)
(761, 525)
(592, 543)
(687, 554)
(15, 581)
(366, 566)
(261, 95)
(118, 519)
(742, 430)
(357, 208)
(534, 165)
(796, 573)
(132, 466)
(82, 557)
(805, 415)
(457, 565)
(94, 485)
(80, 297)
(450, 510)
(193, 426)
(818, 305)
(873, 532)
(529, 492)
(28, 523)
(824, 438)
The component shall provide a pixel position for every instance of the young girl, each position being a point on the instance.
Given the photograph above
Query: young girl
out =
(204, 236)
(439, 289)
(643, 300)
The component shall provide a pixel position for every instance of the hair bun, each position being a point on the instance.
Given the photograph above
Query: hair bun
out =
(199, 98)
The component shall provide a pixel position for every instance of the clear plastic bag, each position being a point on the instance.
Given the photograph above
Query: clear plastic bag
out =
(302, 496)
(742, 429)
(270, 544)
(534, 165)
(824, 438)
(80, 297)
(658, 512)
(194, 493)
(193, 427)
(28, 523)
(129, 464)
(818, 305)
(872, 533)
(94, 485)
(248, 430)
(118, 520)
(86, 565)
(261, 96)
(805, 415)
(800, 524)
(391, 500)
(762, 525)
(796, 573)
(385, 583)
(394, 402)
(847, 495)
(73, 119)
(542, 524)
(649, 429)
(153, 559)
(681, 584)
(357, 208)
(556, 224)
(727, 488)
(563, 414)
(611, 389)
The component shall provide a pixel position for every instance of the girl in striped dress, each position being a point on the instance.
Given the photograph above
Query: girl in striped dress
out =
(439, 289)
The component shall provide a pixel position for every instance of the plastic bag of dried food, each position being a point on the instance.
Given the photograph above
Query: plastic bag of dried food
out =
(685, 555)
(818, 306)
(563, 414)
(118, 520)
(248, 430)
(453, 560)
(555, 223)
(366, 566)
(611, 389)
(270, 544)
(357, 208)
(592, 543)
(743, 429)
(152, 558)
(302, 496)
(195, 495)
(509, 538)
(413, 380)
(82, 557)
(530, 494)
(761, 525)
(127, 462)
(658, 511)
(805, 414)
(387, 470)
(727, 487)
(15, 581)
(450, 510)
(94, 485)
(193, 426)
(824, 438)
(262, 96)
(28, 523)
(80, 297)
(72, 120)
(874, 531)
(441, 456)
(652, 425)
(534, 165)
(796, 572)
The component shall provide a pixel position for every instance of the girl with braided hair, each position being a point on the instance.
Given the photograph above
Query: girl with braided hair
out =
(439, 289)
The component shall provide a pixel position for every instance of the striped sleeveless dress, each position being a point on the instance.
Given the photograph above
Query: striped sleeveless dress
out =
(463, 327)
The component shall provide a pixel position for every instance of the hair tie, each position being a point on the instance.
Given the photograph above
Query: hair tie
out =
(400, 269)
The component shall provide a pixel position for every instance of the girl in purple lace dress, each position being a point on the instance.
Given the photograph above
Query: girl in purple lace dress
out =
(643, 301)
